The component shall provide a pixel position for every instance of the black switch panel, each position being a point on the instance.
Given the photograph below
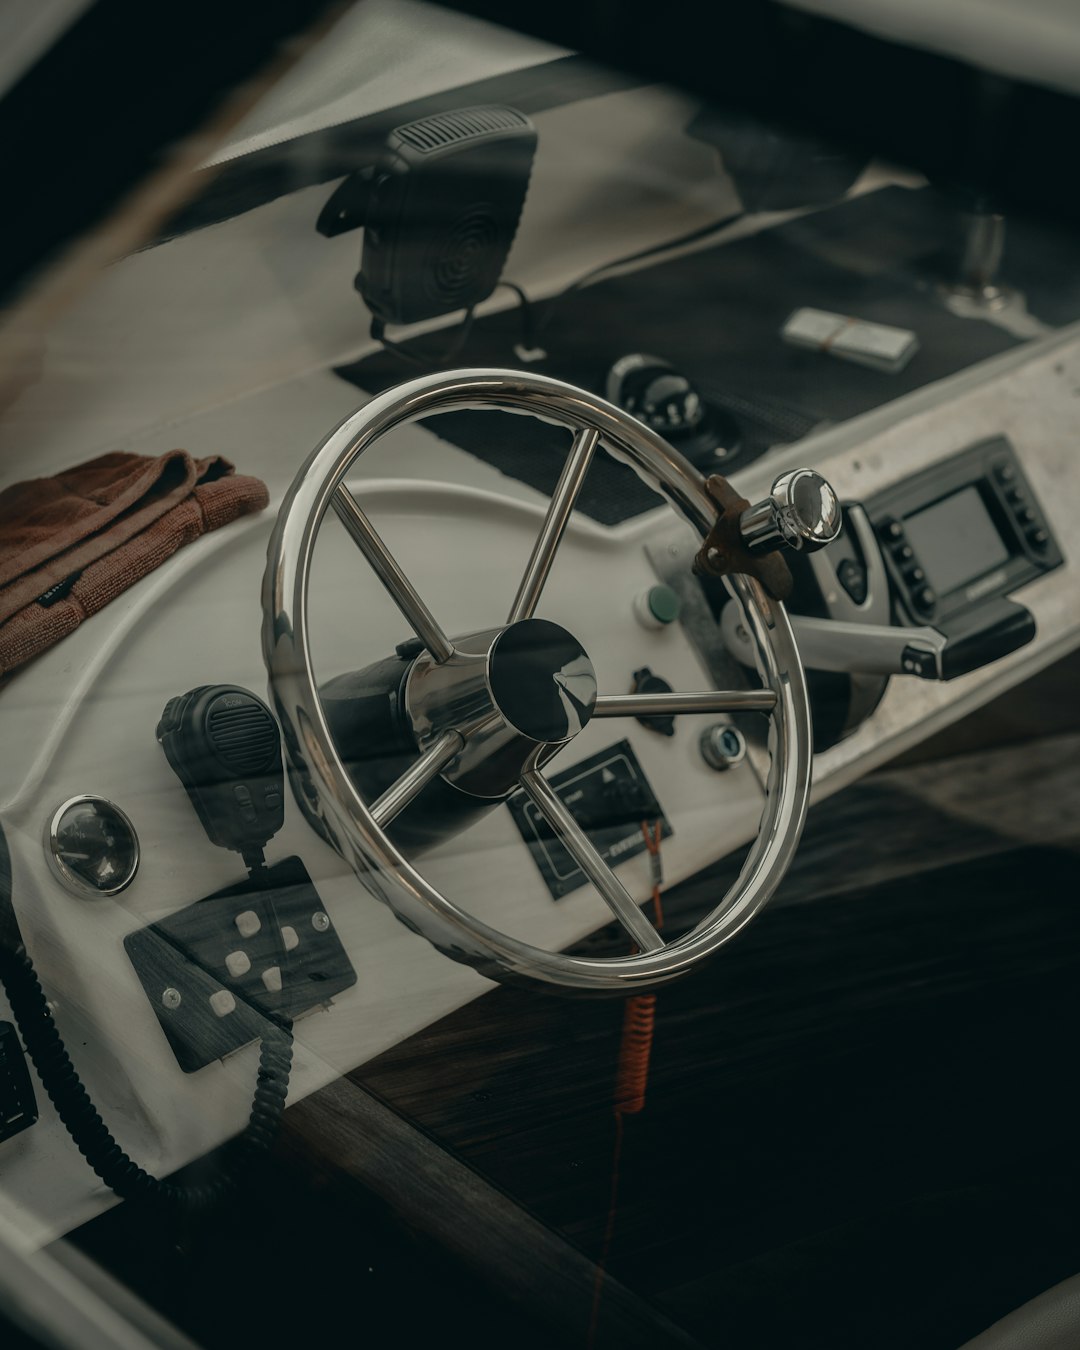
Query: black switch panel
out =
(609, 796)
(18, 1106)
(216, 970)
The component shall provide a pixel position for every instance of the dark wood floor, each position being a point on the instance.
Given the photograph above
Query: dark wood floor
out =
(866, 1103)
(871, 1101)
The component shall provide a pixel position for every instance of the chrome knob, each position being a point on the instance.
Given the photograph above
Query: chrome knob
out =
(802, 512)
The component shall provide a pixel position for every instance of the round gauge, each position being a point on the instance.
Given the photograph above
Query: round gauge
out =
(92, 846)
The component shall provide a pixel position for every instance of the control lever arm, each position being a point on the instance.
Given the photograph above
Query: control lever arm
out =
(933, 653)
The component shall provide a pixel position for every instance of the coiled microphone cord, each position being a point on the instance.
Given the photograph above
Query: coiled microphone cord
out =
(80, 1117)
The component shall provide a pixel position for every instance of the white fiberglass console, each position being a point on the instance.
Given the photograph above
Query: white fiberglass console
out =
(82, 719)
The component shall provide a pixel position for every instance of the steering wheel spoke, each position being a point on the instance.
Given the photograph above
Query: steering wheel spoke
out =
(709, 701)
(386, 568)
(577, 843)
(418, 775)
(554, 526)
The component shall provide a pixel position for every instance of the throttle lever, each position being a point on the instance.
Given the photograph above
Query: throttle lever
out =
(941, 652)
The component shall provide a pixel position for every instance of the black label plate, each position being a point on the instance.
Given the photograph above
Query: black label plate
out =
(610, 797)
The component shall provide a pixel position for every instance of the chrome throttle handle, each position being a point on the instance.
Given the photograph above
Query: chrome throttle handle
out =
(802, 513)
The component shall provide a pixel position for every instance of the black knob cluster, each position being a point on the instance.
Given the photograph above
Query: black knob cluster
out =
(1029, 523)
(895, 541)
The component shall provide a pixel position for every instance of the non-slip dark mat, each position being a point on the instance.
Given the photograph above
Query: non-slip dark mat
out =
(717, 315)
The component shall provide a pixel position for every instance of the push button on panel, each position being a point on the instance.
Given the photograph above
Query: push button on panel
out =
(222, 1003)
(657, 607)
(248, 923)
(237, 964)
(852, 576)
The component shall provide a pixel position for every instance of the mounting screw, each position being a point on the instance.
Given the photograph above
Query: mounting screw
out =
(320, 921)
(171, 999)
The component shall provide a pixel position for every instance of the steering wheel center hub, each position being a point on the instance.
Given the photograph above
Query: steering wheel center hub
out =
(542, 680)
(516, 694)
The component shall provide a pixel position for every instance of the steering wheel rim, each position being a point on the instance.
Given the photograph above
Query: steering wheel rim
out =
(319, 773)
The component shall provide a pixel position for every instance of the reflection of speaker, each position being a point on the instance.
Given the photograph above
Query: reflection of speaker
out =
(441, 210)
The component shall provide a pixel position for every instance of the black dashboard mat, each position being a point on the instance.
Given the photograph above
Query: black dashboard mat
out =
(717, 315)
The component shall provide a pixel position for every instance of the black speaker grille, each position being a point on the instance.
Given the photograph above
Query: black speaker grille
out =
(465, 252)
(433, 133)
(245, 737)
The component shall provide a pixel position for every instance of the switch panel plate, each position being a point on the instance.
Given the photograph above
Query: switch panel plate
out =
(609, 796)
(214, 971)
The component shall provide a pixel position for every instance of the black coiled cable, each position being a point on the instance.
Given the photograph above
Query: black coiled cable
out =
(91, 1135)
(78, 1113)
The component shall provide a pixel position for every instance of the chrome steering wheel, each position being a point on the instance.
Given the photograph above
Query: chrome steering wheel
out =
(489, 709)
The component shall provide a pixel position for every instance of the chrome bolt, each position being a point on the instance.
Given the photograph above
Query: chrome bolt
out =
(320, 921)
(171, 999)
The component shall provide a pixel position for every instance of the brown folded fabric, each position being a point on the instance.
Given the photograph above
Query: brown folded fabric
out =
(72, 543)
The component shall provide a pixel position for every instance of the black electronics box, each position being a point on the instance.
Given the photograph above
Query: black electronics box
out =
(963, 533)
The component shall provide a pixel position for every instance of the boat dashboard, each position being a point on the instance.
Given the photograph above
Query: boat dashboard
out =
(790, 339)
(941, 463)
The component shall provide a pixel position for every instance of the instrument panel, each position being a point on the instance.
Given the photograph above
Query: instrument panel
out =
(198, 619)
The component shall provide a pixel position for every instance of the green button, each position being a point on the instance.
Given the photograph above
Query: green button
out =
(664, 604)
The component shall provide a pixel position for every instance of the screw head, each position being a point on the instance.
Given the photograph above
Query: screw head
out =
(171, 999)
(320, 921)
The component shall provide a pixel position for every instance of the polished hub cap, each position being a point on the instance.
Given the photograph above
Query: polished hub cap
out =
(515, 694)
(542, 680)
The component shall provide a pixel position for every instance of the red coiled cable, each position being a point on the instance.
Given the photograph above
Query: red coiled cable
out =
(631, 1077)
